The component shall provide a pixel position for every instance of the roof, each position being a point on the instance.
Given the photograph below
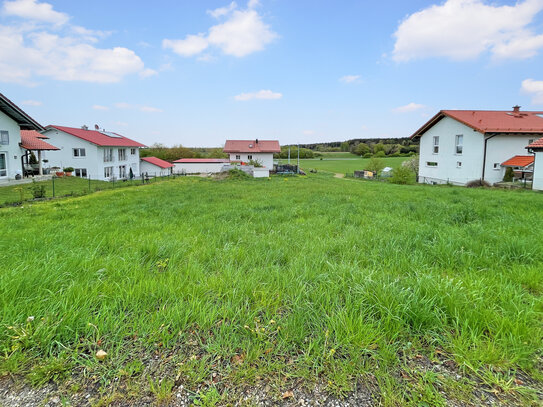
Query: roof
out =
(490, 121)
(99, 138)
(252, 146)
(519, 161)
(536, 145)
(24, 121)
(157, 161)
(32, 140)
(202, 160)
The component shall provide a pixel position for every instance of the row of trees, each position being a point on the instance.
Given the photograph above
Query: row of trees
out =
(176, 152)
(369, 147)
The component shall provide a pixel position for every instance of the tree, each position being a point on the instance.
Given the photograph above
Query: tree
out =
(378, 147)
(344, 146)
(361, 149)
(375, 165)
(412, 164)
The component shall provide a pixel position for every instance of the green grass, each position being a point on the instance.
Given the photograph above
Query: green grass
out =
(345, 165)
(304, 278)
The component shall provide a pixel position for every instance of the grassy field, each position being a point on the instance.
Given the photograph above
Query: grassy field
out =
(424, 295)
(345, 165)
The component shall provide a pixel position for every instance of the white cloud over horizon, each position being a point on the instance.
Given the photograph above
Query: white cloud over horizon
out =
(410, 107)
(465, 29)
(31, 103)
(350, 78)
(260, 95)
(32, 49)
(242, 32)
(534, 89)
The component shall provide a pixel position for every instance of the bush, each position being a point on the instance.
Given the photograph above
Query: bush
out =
(402, 175)
(412, 164)
(375, 165)
(237, 174)
(37, 190)
(509, 174)
(68, 169)
(367, 155)
(379, 154)
(477, 183)
(255, 163)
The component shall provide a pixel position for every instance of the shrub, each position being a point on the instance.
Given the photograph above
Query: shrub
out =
(237, 174)
(68, 169)
(37, 190)
(379, 154)
(402, 175)
(477, 183)
(412, 164)
(255, 163)
(509, 173)
(32, 159)
(367, 155)
(375, 165)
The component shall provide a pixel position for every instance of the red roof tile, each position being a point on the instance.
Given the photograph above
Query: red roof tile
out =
(252, 146)
(202, 160)
(538, 144)
(99, 138)
(157, 161)
(519, 161)
(32, 140)
(490, 121)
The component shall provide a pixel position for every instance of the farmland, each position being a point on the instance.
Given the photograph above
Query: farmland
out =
(417, 295)
(345, 164)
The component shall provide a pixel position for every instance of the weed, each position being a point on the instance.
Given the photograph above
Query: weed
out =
(162, 389)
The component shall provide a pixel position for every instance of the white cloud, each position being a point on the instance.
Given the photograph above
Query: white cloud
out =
(147, 72)
(33, 10)
(411, 107)
(150, 109)
(146, 109)
(260, 95)
(33, 49)
(533, 88)
(242, 33)
(31, 103)
(100, 107)
(308, 132)
(464, 29)
(349, 78)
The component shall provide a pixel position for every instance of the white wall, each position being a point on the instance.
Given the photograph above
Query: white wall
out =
(12, 150)
(153, 170)
(197, 168)
(538, 171)
(93, 161)
(266, 159)
(499, 149)
(447, 169)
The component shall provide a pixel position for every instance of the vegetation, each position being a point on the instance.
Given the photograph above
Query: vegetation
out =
(431, 296)
(345, 165)
(403, 175)
(176, 152)
(393, 147)
(304, 152)
(509, 174)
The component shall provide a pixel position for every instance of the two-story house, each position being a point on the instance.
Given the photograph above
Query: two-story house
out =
(459, 146)
(252, 150)
(97, 154)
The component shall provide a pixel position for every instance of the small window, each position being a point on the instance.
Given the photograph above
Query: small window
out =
(81, 172)
(122, 171)
(431, 164)
(238, 157)
(122, 154)
(108, 172)
(249, 157)
(436, 144)
(79, 152)
(108, 155)
(133, 151)
(459, 143)
(497, 166)
(459, 164)
(4, 138)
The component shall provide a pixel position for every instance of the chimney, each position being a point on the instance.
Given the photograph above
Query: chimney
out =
(516, 109)
(256, 141)
(84, 127)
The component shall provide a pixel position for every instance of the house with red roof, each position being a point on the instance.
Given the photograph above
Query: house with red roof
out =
(97, 154)
(536, 148)
(244, 151)
(459, 146)
(155, 167)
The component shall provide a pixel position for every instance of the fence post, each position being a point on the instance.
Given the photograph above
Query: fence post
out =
(53, 179)
(89, 183)
(142, 179)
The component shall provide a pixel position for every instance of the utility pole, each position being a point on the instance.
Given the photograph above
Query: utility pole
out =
(289, 154)
(298, 166)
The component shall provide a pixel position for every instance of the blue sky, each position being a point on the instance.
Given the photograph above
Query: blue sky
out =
(199, 72)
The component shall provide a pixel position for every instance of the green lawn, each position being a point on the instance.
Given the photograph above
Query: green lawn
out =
(220, 285)
(345, 165)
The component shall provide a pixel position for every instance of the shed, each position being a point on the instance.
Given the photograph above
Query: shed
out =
(155, 167)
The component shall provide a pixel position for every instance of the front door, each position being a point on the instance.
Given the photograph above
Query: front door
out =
(3, 165)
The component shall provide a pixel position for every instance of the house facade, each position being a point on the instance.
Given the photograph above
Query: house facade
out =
(459, 146)
(12, 121)
(536, 148)
(94, 153)
(243, 151)
(155, 167)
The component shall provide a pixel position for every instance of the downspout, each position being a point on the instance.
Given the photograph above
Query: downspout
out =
(484, 155)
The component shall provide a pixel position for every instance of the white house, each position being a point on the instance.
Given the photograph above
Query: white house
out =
(155, 167)
(199, 165)
(252, 150)
(458, 146)
(12, 152)
(97, 154)
(536, 148)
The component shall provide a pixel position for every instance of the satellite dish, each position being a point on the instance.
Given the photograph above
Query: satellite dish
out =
(96, 127)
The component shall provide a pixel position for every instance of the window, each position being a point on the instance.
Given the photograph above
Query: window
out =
(431, 164)
(249, 157)
(108, 172)
(531, 141)
(79, 152)
(3, 165)
(4, 137)
(122, 154)
(238, 157)
(436, 144)
(459, 143)
(497, 166)
(133, 151)
(108, 155)
(81, 172)
(122, 171)
(458, 164)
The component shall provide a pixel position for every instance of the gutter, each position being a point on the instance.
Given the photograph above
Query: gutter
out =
(484, 156)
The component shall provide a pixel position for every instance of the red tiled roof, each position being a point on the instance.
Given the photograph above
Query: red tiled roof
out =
(252, 146)
(32, 140)
(519, 161)
(202, 160)
(490, 121)
(99, 138)
(157, 161)
(538, 144)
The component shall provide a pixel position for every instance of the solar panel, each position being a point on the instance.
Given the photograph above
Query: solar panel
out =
(110, 134)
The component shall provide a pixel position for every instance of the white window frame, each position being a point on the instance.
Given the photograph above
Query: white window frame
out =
(4, 138)
(4, 171)
(133, 151)
(497, 166)
(122, 154)
(108, 172)
(250, 157)
(459, 164)
(80, 172)
(79, 153)
(435, 145)
(108, 155)
(431, 164)
(459, 144)
(122, 171)
(238, 157)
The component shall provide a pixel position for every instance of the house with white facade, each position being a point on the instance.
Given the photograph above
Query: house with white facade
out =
(536, 148)
(199, 165)
(155, 167)
(459, 146)
(97, 154)
(13, 123)
(243, 151)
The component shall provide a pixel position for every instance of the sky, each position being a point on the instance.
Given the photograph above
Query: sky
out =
(197, 73)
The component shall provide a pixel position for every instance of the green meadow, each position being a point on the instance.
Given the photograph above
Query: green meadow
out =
(426, 295)
(346, 164)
